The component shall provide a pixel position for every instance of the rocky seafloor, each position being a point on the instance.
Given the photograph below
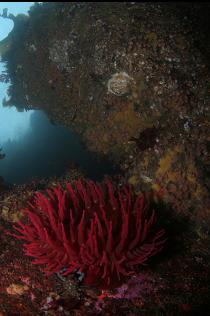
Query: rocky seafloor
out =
(133, 80)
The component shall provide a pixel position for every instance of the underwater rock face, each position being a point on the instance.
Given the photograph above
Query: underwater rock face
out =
(61, 62)
(79, 47)
(59, 54)
(84, 50)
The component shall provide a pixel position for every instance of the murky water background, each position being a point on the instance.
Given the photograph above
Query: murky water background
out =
(36, 148)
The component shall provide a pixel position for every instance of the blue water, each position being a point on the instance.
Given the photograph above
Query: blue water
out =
(36, 148)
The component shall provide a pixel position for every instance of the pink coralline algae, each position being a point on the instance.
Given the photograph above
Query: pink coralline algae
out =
(138, 286)
(103, 232)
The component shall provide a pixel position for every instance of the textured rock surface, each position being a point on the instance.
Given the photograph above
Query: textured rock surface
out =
(156, 128)
(113, 72)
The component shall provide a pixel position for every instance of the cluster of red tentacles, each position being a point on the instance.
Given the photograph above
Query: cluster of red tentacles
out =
(92, 228)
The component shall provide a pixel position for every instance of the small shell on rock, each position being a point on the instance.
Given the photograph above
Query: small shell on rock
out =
(146, 179)
(17, 289)
(119, 83)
